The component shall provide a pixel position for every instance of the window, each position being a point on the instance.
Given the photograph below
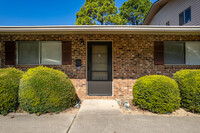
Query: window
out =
(192, 53)
(39, 52)
(179, 53)
(185, 16)
(174, 53)
(28, 52)
(51, 52)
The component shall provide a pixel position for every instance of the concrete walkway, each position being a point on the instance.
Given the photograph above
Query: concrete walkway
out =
(104, 116)
(98, 116)
(26, 123)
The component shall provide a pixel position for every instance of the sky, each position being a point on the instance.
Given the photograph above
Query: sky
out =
(41, 12)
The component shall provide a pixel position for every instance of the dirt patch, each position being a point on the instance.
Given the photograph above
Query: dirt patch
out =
(182, 112)
(135, 110)
(179, 112)
(71, 110)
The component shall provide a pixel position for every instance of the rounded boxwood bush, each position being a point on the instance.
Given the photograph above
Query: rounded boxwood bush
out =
(189, 85)
(156, 93)
(44, 90)
(9, 85)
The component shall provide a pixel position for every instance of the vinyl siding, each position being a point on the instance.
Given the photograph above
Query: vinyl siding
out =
(170, 12)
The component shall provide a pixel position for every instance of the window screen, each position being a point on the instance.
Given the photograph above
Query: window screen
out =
(51, 52)
(174, 53)
(99, 62)
(28, 52)
(193, 53)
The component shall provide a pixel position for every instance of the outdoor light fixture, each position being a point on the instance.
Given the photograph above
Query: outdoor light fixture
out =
(81, 42)
(78, 63)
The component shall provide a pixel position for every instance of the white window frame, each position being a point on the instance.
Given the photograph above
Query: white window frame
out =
(39, 52)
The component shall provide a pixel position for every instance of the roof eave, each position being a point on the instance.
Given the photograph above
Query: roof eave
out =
(99, 29)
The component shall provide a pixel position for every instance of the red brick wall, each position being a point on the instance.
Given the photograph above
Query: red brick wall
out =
(132, 58)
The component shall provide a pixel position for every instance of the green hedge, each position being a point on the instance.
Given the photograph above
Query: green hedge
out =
(189, 85)
(156, 93)
(44, 90)
(9, 85)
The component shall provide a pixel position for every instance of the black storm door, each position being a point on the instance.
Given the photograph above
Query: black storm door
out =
(99, 72)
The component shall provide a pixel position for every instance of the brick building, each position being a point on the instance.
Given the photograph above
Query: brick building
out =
(102, 61)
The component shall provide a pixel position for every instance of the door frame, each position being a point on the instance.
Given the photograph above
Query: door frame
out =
(87, 63)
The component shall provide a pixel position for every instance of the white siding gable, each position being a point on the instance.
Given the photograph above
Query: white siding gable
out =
(170, 12)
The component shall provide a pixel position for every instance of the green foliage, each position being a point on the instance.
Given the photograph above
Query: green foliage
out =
(189, 85)
(156, 93)
(9, 85)
(98, 11)
(135, 11)
(44, 90)
(116, 20)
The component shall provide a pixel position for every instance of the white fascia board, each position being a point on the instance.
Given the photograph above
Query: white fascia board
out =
(111, 29)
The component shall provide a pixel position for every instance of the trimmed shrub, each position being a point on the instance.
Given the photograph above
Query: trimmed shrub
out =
(189, 85)
(9, 85)
(44, 90)
(156, 93)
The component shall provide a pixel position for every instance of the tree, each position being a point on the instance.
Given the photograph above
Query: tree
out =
(98, 11)
(117, 19)
(135, 11)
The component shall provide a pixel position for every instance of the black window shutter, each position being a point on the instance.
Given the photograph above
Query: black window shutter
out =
(66, 52)
(159, 53)
(181, 19)
(10, 53)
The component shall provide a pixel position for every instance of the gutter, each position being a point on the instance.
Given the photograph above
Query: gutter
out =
(98, 29)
